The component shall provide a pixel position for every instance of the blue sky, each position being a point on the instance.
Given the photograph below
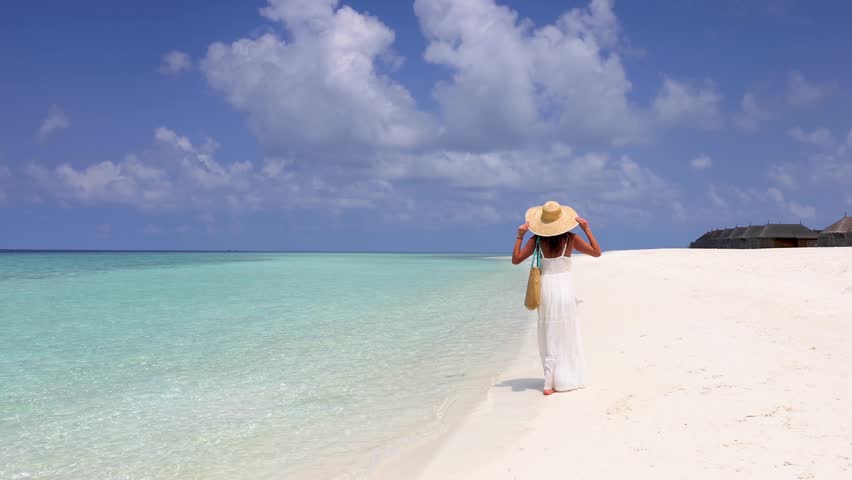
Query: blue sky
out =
(416, 126)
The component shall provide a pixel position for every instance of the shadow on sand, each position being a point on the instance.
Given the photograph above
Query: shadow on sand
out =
(521, 384)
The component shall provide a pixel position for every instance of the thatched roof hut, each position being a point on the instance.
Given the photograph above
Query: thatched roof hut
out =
(725, 238)
(751, 236)
(775, 235)
(702, 241)
(753, 231)
(838, 234)
(718, 236)
(708, 240)
(735, 239)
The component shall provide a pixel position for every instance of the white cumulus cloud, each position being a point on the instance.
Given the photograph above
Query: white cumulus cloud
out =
(751, 115)
(56, 119)
(684, 103)
(321, 88)
(803, 93)
(176, 62)
(701, 162)
(784, 175)
(512, 83)
(821, 137)
(522, 109)
(801, 211)
(829, 167)
(327, 85)
(757, 206)
(173, 174)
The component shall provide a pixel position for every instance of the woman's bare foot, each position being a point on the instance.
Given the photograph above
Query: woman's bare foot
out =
(548, 391)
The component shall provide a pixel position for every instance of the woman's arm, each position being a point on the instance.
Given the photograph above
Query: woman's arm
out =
(520, 254)
(581, 246)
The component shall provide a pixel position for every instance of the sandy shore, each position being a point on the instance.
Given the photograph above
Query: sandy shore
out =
(701, 364)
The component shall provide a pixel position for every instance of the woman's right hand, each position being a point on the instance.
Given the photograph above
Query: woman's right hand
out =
(522, 230)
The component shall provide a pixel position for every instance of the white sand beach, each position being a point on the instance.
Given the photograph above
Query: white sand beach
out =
(701, 364)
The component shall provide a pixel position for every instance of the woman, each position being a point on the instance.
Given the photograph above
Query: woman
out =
(558, 329)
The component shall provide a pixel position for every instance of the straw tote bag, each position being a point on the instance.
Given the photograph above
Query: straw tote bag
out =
(533, 298)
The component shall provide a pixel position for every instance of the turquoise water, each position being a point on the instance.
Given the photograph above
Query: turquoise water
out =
(240, 365)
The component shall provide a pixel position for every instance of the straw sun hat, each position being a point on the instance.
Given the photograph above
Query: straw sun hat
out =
(551, 219)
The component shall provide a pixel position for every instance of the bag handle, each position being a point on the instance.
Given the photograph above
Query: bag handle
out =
(536, 257)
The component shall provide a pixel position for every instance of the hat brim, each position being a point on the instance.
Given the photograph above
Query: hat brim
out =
(567, 221)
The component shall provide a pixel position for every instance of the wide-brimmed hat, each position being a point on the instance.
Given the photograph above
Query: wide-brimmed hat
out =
(551, 219)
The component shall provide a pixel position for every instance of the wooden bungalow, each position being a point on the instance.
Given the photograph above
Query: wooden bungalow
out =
(721, 235)
(733, 240)
(725, 238)
(751, 236)
(711, 239)
(781, 235)
(703, 241)
(777, 235)
(706, 240)
(838, 234)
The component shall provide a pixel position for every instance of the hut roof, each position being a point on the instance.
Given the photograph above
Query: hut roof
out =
(726, 233)
(841, 226)
(753, 231)
(787, 230)
(738, 232)
(715, 234)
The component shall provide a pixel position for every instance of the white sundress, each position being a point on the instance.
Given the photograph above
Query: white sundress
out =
(559, 339)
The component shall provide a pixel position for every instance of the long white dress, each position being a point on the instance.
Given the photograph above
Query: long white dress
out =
(559, 339)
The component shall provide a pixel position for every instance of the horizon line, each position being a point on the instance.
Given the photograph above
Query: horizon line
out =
(123, 250)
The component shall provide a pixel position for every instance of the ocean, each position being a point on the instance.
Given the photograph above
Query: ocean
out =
(242, 365)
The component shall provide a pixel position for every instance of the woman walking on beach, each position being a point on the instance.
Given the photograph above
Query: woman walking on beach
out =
(559, 340)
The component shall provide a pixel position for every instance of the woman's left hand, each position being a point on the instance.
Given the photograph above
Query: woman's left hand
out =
(584, 224)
